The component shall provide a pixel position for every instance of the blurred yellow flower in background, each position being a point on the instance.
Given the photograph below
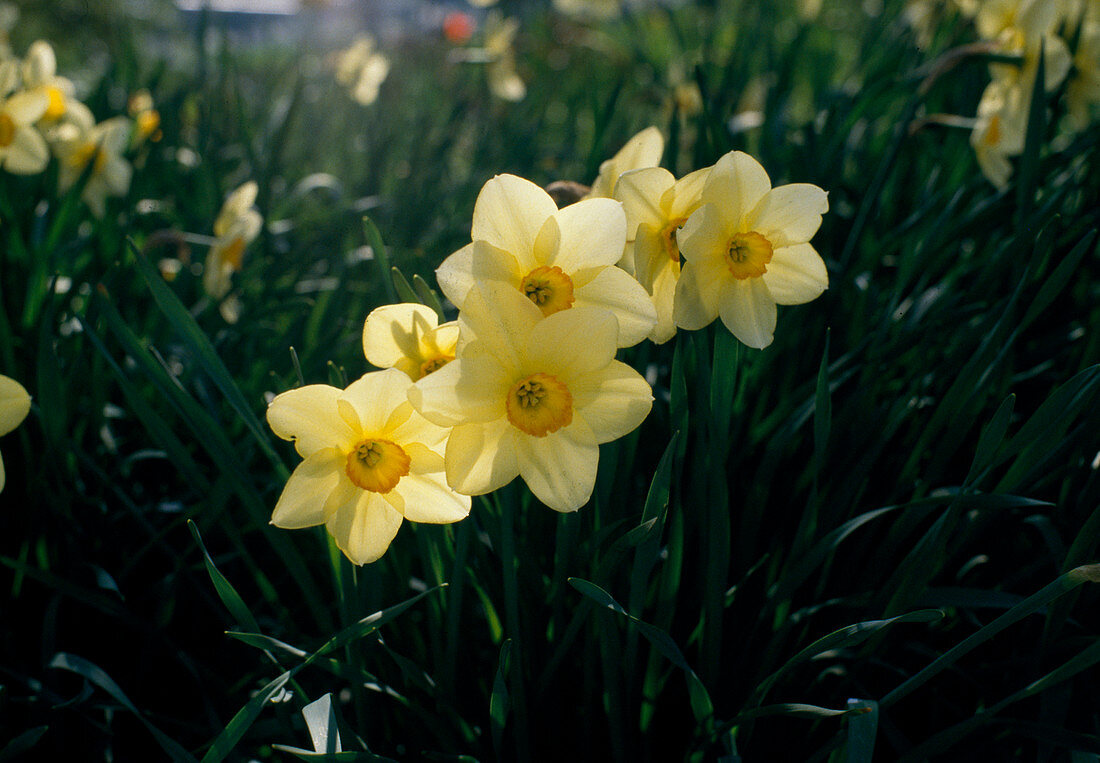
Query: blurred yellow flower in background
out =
(556, 258)
(15, 404)
(23, 150)
(531, 396)
(408, 337)
(362, 69)
(370, 462)
(237, 225)
(747, 249)
(102, 146)
(1000, 129)
(40, 75)
(657, 206)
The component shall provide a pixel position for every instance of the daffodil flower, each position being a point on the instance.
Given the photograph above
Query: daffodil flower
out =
(102, 146)
(1000, 129)
(558, 259)
(642, 150)
(747, 249)
(237, 225)
(15, 404)
(362, 69)
(23, 150)
(370, 462)
(657, 206)
(40, 76)
(531, 396)
(408, 337)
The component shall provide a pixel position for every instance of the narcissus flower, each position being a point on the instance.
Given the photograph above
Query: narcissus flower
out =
(40, 76)
(532, 396)
(747, 249)
(362, 69)
(15, 404)
(642, 150)
(408, 337)
(237, 225)
(558, 259)
(1000, 129)
(370, 461)
(102, 146)
(23, 150)
(657, 206)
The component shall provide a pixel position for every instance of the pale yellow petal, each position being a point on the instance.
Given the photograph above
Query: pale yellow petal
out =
(698, 293)
(393, 332)
(15, 404)
(309, 415)
(748, 311)
(704, 235)
(455, 275)
(3, 476)
(572, 343)
(687, 194)
(796, 274)
(593, 232)
(464, 390)
(736, 184)
(664, 298)
(642, 150)
(789, 214)
(617, 291)
(27, 107)
(424, 492)
(488, 263)
(364, 532)
(499, 319)
(416, 428)
(375, 397)
(28, 153)
(641, 192)
(509, 213)
(302, 503)
(560, 468)
(613, 401)
(481, 457)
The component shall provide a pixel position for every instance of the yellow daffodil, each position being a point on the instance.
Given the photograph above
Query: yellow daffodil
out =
(408, 337)
(40, 75)
(531, 396)
(101, 145)
(657, 205)
(642, 150)
(557, 258)
(146, 117)
(1000, 129)
(1024, 28)
(362, 69)
(370, 461)
(237, 225)
(747, 249)
(15, 404)
(23, 150)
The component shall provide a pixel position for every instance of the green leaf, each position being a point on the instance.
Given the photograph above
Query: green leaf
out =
(23, 743)
(499, 701)
(245, 717)
(97, 676)
(426, 295)
(381, 256)
(403, 288)
(992, 435)
(226, 592)
(862, 728)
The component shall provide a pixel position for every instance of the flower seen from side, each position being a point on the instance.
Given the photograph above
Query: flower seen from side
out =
(101, 147)
(362, 69)
(15, 404)
(409, 337)
(370, 461)
(643, 150)
(746, 249)
(237, 225)
(23, 150)
(531, 396)
(1000, 129)
(657, 206)
(558, 259)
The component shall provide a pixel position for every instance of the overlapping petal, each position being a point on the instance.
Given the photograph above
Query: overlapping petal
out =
(365, 531)
(619, 293)
(468, 389)
(560, 468)
(789, 214)
(302, 501)
(612, 401)
(309, 415)
(736, 183)
(796, 274)
(481, 457)
(509, 212)
(748, 311)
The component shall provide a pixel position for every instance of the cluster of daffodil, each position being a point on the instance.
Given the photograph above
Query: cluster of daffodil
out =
(15, 404)
(525, 381)
(1021, 29)
(40, 118)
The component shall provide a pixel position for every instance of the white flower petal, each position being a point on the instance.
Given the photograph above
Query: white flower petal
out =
(481, 457)
(302, 503)
(748, 311)
(509, 213)
(560, 468)
(365, 531)
(617, 291)
(789, 214)
(612, 401)
(310, 416)
(796, 274)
